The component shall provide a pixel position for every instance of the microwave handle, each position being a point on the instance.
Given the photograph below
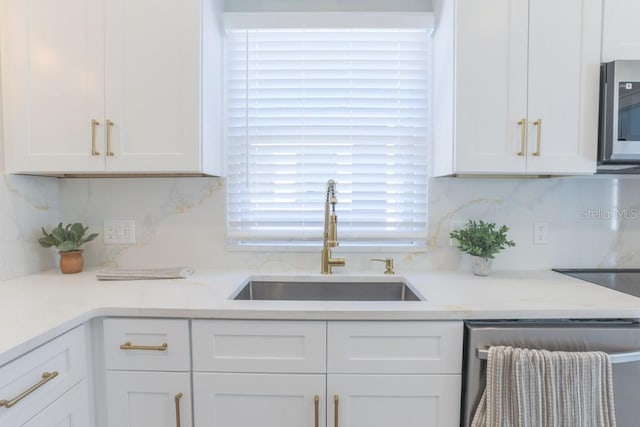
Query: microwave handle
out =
(621, 357)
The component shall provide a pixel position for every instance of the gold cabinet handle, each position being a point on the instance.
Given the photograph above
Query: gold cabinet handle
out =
(336, 401)
(538, 125)
(129, 346)
(46, 377)
(177, 401)
(316, 408)
(523, 136)
(94, 124)
(109, 125)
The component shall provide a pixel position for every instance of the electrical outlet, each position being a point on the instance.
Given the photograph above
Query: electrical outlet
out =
(119, 232)
(455, 224)
(540, 233)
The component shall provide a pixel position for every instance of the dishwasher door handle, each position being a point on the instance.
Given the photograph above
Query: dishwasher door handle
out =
(621, 357)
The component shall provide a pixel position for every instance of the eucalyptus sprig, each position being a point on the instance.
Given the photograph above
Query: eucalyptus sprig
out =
(482, 239)
(68, 238)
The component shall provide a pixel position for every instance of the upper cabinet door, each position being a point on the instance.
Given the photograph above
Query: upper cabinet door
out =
(491, 86)
(525, 89)
(564, 59)
(52, 71)
(152, 85)
(620, 31)
(111, 86)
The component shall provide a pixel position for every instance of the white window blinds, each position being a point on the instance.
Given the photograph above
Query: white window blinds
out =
(305, 106)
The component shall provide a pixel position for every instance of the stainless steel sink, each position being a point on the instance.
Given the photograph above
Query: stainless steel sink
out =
(317, 290)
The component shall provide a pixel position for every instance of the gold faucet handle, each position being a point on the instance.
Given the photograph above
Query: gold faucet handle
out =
(388, 265)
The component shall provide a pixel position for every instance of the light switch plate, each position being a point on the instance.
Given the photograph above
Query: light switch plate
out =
(119, 232)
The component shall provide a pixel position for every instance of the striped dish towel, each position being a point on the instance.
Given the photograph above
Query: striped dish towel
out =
(144, 273)
(540, 388)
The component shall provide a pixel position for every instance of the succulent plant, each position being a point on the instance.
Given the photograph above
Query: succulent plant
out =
(68, 238)
(482, 239)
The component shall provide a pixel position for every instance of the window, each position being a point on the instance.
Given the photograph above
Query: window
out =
(305, 106)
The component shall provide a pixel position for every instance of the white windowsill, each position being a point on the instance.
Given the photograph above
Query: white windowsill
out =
(309, 247)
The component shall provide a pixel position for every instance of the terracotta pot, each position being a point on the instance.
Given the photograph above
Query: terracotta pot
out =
(71, 262)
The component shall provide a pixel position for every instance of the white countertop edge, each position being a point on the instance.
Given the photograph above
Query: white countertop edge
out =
(417, 313)
(59, 303)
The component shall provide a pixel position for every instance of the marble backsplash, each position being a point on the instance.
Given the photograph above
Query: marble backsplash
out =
(26, 204)
(592, 222)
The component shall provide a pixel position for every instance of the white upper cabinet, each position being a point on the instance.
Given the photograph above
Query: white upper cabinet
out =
(52, 82)
(110, 86)
(620, 30)
(516, 86)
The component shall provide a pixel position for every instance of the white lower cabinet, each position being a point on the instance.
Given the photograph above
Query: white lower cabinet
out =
(47, 387)
(269, 373)
(266, 400)
(393, 400)
(148, 372)
(282, 373)
(70, 410)
(148, 399)
(289, 400)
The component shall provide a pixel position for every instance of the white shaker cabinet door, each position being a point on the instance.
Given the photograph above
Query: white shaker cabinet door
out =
(265, 400)
(111, 86)
(526, 87)
(620, 30)
(491, 67)
(148, 399)
(152, 59)
(70, 410)
(564, 69)
(393, 400)
(53, 83)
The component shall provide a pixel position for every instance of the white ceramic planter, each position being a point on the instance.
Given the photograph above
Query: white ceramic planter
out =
(480, 266)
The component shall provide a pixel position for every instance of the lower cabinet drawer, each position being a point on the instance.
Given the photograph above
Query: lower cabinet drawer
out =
(147, 344)
(33, 381)
(259, 346)
(403, 347)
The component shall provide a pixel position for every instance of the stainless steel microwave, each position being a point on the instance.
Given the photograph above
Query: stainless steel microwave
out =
(619, 122)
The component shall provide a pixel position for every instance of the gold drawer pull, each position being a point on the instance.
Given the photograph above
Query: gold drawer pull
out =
(109, 125)
(177, 401)
(523, 136)
(335, 410)
(94, 124)
(129, 346)
(538, 125)
(46, 377)
(316, 407)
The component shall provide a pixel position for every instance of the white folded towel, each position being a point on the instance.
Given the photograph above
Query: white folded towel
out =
(540, 388)
(144, 273)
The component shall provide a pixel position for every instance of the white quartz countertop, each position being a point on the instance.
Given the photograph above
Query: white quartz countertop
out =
(38, 307)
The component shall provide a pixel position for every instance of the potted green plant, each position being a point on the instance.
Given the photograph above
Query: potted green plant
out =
(68, 240)
(482, 240)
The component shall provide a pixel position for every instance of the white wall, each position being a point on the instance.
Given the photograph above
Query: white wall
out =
(182, 221)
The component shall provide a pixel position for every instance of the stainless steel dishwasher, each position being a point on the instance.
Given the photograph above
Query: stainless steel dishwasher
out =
(619, 338)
